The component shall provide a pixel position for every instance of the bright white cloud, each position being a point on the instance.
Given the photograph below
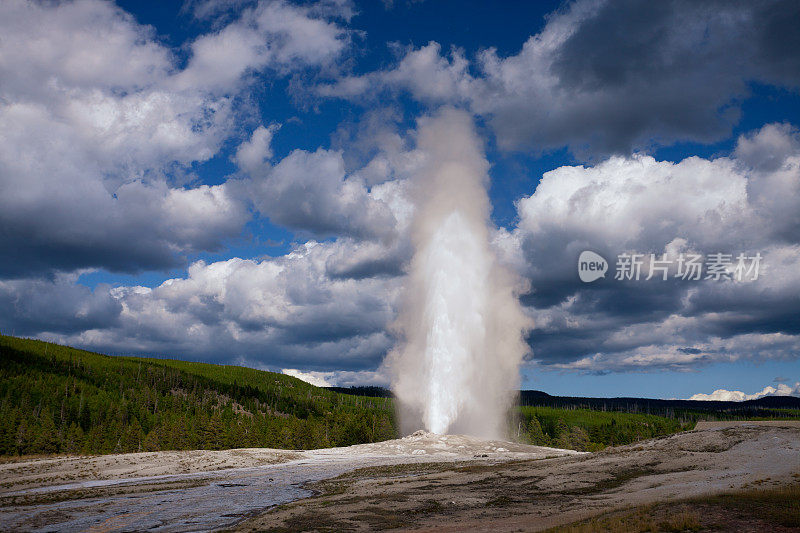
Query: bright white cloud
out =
(314, 194)
(86, 44)
(273, 34)
(724, 395)
(318, 379)
(637, 204)
(254, 154)
(99, 124)
(340, 378)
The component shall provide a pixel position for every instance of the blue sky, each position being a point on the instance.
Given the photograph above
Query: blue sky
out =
(226, 181)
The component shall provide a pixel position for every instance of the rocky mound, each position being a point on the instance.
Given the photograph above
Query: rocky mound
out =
(424, 443)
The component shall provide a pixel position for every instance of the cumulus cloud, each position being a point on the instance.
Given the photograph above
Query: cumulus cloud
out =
(318, 379)
(605, 77)
(37, 306)
(366, 259)
(101, 122)
(326, 306)
(636, 204)
(272, 34)
(283, 312)
(340, 378)
(323, 306)
(311, 193)
(255, 153)
(425, 72)
(99, 125)
(724, 395)
(376, 148)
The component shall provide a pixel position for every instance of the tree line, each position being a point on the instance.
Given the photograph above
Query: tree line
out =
(589, 430)
(55, 399)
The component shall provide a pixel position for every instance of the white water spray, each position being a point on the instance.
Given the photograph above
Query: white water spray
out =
(461, 325)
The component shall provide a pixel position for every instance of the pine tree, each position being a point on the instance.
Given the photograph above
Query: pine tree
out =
(535, 433)
(46, 439)
(24, 438)
(74, 439)
(132, 437)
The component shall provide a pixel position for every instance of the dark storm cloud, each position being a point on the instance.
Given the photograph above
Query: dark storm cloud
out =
(609, 77)
(631, 73)
(582, 326)
(25, 255)
(747, 309)
(368, 260)
(596, 320)
(627, 42)
(778, 41)
(29, 307)
(388, 266)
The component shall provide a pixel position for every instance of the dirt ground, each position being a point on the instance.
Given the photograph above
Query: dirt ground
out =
(537, 494)
(37, 472)
(719, 424)
(207, 490)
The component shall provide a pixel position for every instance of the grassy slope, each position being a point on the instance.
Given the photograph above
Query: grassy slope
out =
(55, 399)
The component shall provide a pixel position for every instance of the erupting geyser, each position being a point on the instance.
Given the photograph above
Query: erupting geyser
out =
(461, 326)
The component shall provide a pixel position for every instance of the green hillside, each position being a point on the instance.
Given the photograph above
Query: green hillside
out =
(55, 399)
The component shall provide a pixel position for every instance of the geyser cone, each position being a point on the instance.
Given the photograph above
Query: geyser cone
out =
(461, 325)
